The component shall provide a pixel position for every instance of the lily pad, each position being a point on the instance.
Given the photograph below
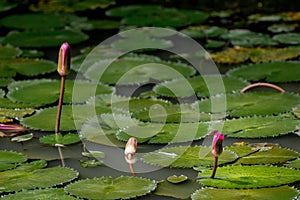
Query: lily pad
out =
(28, 53)
(182, 190)
(244, 177)
(294, 163)
(30, 178)
(7, 5)
(7, 52)
(46, 91)
(15, 113)
(279, 28)
(22, 138)
(38, 21)
(164, 133)
(276, 193)
(288, 38)
(26, 67)
(186, 157)
(68, 120)
(10, 159)
(284, 71)
(105, 24)
(4, 82)
(142, 15)
(54, 139)
(109, 188)
(296, 111)
(51, 193)
(134, 70)
(251, 104)
(44, 38)
(90, 163)
(177, 179)
(201, 86)
(204, 31)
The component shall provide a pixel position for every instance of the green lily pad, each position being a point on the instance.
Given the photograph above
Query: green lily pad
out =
(296, 111)
(279, 28)
(38, 21)
(44, 38)
(30, 178)
(251, 104)
(240, 54)
(147, 32)
(5, 81)
(27, 53)
(90, 163)
(142, 15)
(182, 190)
(294, 163)
(244, 177)
(46, 91)
(10, 159)
(7, 52)
(259, 127)
(54, 6)
(270, 155)
(276, 193)
(97, 128)
(177, 179)
(200, 32)
(109, 188)
(288, 38)
(186, 157)
(105, 24)
(26, 67)
(215, 44)
(50, 193)
(22, 138)
(7, 5)
(284, 71)
(199, 85)
(69, 120)
(13, 113)
(67, 139)
(134, 70)
(164, 133)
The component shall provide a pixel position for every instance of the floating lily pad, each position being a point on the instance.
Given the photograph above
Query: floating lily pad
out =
(15, 113)
(240, 54)
(10, 159)
(44, 38)
(90, 163)
(54, 6)
(31, 178)
(199, 85)
(7, 5)
(142, 15)
(5, 81)
(182, 190)
(214, 44)
(51, 193)
(54, 139)
(204, 31)
(284, 71)
(46, 91)
(177, 179)
(186, 157)
(26, 67)
(244, 177)
(27, 53)
(109, 188)
(22, 138)
(38, 21)
(147, 32)
(164, 133)
(250, 104)
(294, 163)
(105, 24)
(279, 28)
(269, 156)
(7, 52)
(296, 111)
(275, 193)
(44, 119)
(134, 70)
(288, 38)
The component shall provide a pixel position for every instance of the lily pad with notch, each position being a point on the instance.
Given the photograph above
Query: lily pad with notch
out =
(10, 159)
(67, 139)
(9, 52)
(109, 188)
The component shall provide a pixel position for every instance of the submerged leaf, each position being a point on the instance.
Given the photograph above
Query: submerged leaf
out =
(258, 176)
(275, 193)
(109, 188)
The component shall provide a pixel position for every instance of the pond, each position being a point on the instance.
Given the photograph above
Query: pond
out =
(165, 74)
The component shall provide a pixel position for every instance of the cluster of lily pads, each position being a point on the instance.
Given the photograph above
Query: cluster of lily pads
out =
(29, 96)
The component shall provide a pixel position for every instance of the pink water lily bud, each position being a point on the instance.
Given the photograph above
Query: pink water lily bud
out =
(12, 128)
(217, 144)
(64, 59)
(131, 146)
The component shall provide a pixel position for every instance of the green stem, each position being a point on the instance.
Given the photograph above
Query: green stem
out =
(215, 167)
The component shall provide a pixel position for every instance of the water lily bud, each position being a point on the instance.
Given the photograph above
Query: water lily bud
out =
(131, 146)
(217, 144)
(64, 59)
(12, 128)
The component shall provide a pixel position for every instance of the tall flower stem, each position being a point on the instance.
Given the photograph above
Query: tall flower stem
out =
(60, 102)
(215, 167)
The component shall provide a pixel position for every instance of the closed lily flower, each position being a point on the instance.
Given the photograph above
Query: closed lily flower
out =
(130, 150)
(64, 59)
(12, 128)
(217, 149)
